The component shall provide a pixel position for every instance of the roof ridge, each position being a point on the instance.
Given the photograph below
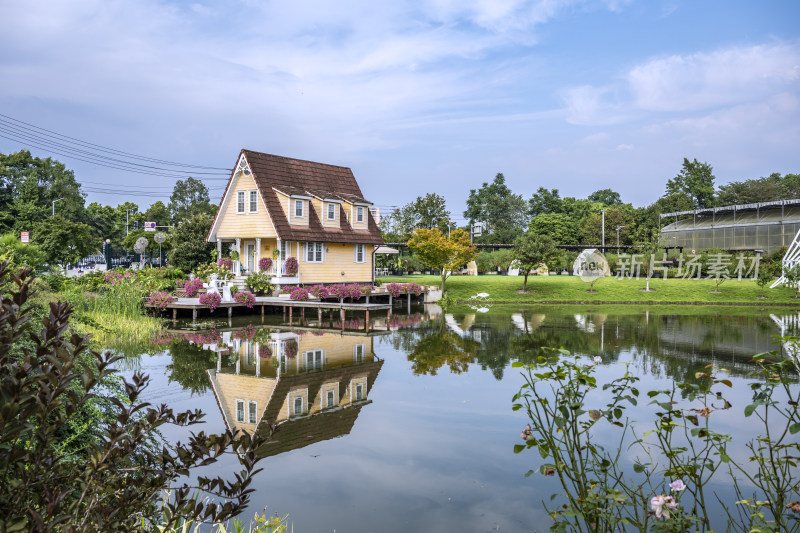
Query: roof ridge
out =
(294, 159)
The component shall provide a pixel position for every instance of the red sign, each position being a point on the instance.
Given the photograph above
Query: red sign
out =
(25, 236)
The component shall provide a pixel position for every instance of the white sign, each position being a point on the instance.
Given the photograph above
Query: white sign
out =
(149, 226)
(477, 229)
(25, 236)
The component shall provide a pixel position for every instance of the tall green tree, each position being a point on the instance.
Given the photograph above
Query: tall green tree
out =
(591, 226)
(545, 201)
(20, 173)
(158, 213)
(63, 241)
(532, 250)
(189, 198)
(605, 197)
(431, 212)
(189, 246)
(561, 228)
(504, 213)
(696, 180)
(764, 189)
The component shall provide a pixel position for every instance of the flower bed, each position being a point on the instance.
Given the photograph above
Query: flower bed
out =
(245, 297)
(210, 300)
(160, 300)
(394, 289)
(192, 287)
(319, 291)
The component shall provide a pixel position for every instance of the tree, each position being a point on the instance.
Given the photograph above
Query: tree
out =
(62, 241)
(559, 227)
(118, 482)
(503, 212)
(605, 197)
(764, 189)
(766, 273)
(696, 180)
(440, 348)
(545, 201)
(19, 254)
(532, 250)
(189, 246)
(157, 213)
(443, 253)
(189, 197)
(591, 226)
(431, 211)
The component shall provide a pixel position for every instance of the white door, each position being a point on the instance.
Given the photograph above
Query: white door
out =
(251, 257)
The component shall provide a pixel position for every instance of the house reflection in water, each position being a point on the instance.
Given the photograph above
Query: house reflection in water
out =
(312, 386)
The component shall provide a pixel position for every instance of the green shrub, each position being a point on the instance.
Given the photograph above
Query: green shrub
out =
(259, 283)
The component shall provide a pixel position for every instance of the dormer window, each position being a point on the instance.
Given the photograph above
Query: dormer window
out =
(331, 211)
(298, 208)
(359, 214)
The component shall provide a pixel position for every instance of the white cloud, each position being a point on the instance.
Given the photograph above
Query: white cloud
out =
(624, 147)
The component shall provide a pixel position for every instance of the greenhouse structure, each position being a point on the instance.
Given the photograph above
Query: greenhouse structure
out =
(765, 226)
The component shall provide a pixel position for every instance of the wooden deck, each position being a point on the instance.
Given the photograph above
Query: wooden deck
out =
(287, 305)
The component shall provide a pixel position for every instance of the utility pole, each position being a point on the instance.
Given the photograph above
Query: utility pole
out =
(54, 205)
(127, 226)
(603, 246)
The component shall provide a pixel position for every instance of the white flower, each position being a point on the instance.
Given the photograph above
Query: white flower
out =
(661, 506)
(598, 359)
(677, 486)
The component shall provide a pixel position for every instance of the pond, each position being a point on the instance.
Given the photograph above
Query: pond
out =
(408, 426)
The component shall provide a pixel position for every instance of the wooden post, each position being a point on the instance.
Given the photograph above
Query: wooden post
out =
(319, 315)
(366, 325)
(388, 313)
(302, 312)
(174, 313)
(194, 314)
(390, 300)
(409, 302)
(262, 310)
(290, 314)
(341, 314)
(230, 311)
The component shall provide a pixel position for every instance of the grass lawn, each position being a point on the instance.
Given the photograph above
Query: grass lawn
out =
(572, 289)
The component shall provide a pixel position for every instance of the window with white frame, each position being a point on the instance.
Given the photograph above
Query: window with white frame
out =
(253, 201)
(298, 208)
(240, 410)
(359, 391)
(315, 252)
(252, 408)
(359, 214)
(358, 353)
(315, 360)
(240, 202)
(298, 406)
(286, 250)
(358, 253)
(331, 211)
(330, 399)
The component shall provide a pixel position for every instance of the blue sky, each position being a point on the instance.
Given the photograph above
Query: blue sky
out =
(416, 97)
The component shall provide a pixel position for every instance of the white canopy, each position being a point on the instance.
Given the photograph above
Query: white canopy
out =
(386, 250)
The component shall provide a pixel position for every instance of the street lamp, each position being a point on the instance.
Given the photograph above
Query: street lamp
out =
(618, 228)
(54, 205)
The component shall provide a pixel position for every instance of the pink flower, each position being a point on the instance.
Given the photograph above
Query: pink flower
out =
(661, 506)
(677, 486)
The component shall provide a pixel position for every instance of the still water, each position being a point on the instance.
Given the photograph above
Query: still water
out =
(406, 425)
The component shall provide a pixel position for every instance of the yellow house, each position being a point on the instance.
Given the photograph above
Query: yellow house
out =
(312, 387)
(277, 207)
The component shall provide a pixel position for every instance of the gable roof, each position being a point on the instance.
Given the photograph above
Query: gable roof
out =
(296, 177)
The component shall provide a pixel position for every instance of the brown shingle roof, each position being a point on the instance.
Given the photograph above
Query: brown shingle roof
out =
(294, 176)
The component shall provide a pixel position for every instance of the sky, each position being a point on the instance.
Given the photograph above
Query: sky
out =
(414, 96)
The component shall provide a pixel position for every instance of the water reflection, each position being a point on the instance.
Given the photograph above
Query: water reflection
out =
(307, 387)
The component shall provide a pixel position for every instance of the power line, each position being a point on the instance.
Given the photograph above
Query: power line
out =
(105, 148)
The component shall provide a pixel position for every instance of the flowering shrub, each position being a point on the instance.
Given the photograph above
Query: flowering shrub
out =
(300, 294)
(338, 291)
(264, 351)
(259, 282)
(319, 291)
(291, 349)
(264, 263)
(414, 288)
(353, 291)
(394, 289)
(291, 266)
(192, 287)
(115, 276)
(210, 300)
(246, 298)
(160, 300)
(226, 263)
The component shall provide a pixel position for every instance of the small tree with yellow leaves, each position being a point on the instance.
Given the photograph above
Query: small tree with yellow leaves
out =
(441, 252)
